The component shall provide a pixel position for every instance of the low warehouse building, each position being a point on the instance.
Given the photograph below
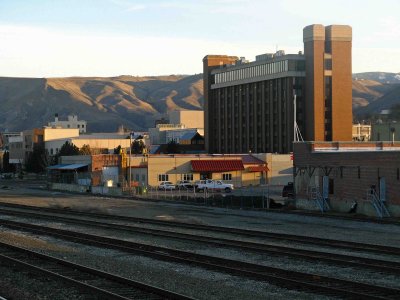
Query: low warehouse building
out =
(348, 174)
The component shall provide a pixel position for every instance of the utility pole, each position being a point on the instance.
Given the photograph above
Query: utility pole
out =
(130, 153)
(294, 119)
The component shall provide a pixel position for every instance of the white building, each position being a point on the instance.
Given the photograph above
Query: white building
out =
(72, 122)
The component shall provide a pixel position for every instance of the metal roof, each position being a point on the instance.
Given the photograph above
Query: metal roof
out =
(67, 167)
(217, 165)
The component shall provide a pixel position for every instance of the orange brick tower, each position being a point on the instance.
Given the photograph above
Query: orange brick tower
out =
(328, 103)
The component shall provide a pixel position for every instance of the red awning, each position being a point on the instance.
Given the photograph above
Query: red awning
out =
(217, 165)
(258, 169)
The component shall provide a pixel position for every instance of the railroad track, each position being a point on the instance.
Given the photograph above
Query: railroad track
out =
(310, 255)
(91, 282)
(284, 278)
(337, 244)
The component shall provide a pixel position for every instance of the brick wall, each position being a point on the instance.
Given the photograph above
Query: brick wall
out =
(353, 172)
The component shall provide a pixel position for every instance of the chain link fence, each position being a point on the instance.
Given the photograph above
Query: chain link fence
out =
(257, 198)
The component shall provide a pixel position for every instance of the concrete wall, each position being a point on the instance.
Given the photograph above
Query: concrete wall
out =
(103, 190)
(50, 134)
(280, 168)
(69, 187)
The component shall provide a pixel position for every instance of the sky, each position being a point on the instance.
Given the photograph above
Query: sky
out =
(60, 38)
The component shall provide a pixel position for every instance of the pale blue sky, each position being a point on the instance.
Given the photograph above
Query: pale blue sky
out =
(50, 38)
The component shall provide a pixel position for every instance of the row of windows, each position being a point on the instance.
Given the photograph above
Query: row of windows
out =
(78, 126)
(250, 72)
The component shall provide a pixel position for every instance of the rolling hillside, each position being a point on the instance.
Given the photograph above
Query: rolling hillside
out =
(105, 103)
(374, 92)
(136, 102)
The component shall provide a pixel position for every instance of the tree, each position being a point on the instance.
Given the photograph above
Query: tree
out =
(118, 150)
(85, 150)
(7, 167)
(38, 159)
(67, 149)
(137, 147)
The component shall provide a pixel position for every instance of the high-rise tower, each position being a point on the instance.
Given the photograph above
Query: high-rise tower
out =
(328, 101)
(249, 106)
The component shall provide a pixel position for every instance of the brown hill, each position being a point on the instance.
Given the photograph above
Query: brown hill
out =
(136, 102)
(105, 103)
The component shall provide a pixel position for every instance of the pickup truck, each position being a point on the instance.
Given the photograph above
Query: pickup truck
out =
(214, 185)
(184, 185)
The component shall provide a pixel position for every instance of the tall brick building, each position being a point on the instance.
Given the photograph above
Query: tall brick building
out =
(249, 106)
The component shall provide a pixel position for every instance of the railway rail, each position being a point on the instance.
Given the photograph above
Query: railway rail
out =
(338, 244)
(310, 255)
(91, 282)
(284, 278)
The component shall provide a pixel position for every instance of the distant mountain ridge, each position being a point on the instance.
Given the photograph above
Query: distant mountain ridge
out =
(374, 92)
(136, 102)
(105, 103)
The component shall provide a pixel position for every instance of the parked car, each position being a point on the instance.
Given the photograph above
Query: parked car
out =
(288, 190)
(166, 185)
(184, 185)
(214, 185)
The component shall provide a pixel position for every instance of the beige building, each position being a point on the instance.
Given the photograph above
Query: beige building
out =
(239, 169)
(105, 144)
(189, 118)
(71, 122)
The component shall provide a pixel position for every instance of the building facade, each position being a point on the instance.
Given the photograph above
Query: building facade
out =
(250, 106)
(347, 172)
(190, 118)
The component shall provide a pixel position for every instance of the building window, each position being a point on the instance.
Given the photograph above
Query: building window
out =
(226, 176)
(162, 177)
(328, 63)
(68, 125)
(51, 151)
(188, 177)
(79, 126)
(143, 178)
(136, 177)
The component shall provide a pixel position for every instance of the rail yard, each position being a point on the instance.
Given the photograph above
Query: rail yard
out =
(70, 246)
